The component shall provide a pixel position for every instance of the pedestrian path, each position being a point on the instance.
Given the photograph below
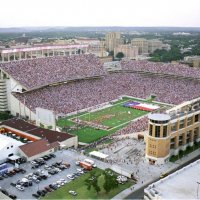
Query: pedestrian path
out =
(140, 183)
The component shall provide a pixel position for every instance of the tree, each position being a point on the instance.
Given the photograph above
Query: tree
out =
(111, 53)
(92, 181)
(120, 55)
(110, 182)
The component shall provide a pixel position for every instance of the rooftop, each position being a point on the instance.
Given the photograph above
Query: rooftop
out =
(4, 140)
(37, 147)
(159, 117)
(51, 136)
(180, 185)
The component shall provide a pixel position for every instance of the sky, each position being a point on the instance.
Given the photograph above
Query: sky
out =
(21, 13)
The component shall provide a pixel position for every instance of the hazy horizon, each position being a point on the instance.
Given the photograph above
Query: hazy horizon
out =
(95, 13)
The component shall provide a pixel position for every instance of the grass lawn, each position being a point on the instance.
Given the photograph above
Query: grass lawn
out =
(79, 186)
(89, 134)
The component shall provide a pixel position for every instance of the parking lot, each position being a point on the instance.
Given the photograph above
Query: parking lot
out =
(61, 156)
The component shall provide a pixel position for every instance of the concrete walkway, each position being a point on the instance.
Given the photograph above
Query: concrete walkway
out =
(141, 184)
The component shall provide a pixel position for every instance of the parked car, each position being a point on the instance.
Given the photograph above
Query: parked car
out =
(71, 177)
(12, 196)
(52, 155)
(13, 184)
(21, 188)
(63, 180)
(36, 195)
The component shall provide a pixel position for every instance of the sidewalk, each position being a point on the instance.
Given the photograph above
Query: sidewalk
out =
(141, 184)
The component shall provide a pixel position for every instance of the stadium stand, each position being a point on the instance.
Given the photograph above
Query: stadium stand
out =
(77, 95)
(35, 73)
(161, 68)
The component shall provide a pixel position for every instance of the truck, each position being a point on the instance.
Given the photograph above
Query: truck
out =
(85, 165)
(124, 172)
(91, 162)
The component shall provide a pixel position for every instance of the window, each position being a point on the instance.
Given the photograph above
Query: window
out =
(196, 118)
(181, 124)
(150, 129)
(164, 131)
(173, 126)
(157, 131)
(189, 121)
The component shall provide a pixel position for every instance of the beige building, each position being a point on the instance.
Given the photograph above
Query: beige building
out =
(174, 131)
(194, 60)
(154, 45)
(147, 46)
(113, 39)
(98, 49)
(128, 50)
(142, 45)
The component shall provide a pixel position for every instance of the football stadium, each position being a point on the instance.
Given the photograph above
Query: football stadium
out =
(91, 102)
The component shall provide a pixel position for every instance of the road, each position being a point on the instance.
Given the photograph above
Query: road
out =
(139, 194)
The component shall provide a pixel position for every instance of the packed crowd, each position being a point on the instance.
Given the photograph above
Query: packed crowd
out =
(163, 68)
(73, 96)
(135, 126)
(39, 72)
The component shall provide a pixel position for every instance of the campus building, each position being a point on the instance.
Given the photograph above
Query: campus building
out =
(20, 53)
(20, 138)
(113, 39)
(173, 131)
(194, 60)
(148, 46)
(129, 51)
(142, 45)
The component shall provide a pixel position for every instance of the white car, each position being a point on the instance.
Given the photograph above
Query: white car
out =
(63, 180)
(80, 170)
(19, 187)
(77, 162)
(72, 192)
(33, 162)
(94, 165)
(70, 177)
(60, 182)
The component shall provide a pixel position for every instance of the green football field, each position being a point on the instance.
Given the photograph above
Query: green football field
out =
(115, 117)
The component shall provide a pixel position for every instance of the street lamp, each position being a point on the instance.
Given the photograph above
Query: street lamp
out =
(198, 189)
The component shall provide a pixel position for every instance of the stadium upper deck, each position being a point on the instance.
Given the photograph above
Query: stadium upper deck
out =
(36, 73)
(161, 68)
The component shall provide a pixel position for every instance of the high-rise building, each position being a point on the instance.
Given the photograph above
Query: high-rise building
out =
(113, 39)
